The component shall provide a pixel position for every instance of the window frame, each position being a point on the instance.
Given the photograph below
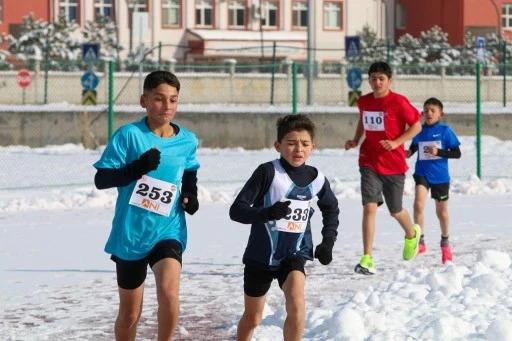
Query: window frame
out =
(297, 15)
(506, 16)
(401, 16)
(66, 5)
(234, 15)
(265, 5)
(179, 7)
(326, 16)
(103, 6)
(202, 6)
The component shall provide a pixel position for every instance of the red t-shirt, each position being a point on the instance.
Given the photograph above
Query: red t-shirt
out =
(385, 118)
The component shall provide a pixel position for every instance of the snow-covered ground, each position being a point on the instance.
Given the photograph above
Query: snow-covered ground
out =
(56, 283)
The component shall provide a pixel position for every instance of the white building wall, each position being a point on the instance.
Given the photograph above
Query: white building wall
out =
(329, 43)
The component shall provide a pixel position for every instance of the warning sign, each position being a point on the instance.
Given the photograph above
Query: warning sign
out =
(353, 96)
(89, 97)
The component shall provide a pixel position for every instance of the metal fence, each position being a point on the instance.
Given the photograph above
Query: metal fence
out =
(264, 87)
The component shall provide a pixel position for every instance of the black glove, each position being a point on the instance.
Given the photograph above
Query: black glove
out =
(192, 205)
(146, 163)
(279, 210)
(323, 250)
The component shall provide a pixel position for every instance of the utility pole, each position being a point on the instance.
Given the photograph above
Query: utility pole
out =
(310, 47)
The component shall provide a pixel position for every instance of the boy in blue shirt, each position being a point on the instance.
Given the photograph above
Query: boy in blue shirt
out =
(276, 202)
(436, 143)
(154, 167)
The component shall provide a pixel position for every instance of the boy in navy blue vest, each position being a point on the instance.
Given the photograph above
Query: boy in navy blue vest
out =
(276, 201)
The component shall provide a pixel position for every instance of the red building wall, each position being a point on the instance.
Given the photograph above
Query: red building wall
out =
(14, 11)
(455, 17)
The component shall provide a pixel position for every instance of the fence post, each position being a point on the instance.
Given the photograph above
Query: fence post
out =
(294, 88)
(110, 98)
(478, 121)
(504, 73)
(172, 65)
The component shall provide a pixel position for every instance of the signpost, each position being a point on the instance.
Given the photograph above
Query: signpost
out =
(89, 83)
(480, 49)
(352, 47)
(90, 53)
(89, 80)
(354, 80)
(23, 78)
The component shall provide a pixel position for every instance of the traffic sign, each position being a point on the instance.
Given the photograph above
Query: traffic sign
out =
(353, 97)
(89, 97)
(23, 78)
(480, 49)
(352, 47)
(354, 78)
(89, 80)
(90, 52)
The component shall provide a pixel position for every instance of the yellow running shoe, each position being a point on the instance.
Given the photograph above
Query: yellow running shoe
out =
(366, 266)
(411, 245)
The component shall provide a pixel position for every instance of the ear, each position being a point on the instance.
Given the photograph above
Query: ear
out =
(142, 101)
(277, 146)
(442, 114)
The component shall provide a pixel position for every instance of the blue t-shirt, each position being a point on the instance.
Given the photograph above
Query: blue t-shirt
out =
(135, 231)
(434, 168)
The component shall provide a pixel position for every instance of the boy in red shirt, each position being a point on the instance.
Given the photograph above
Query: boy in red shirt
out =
(387, 120)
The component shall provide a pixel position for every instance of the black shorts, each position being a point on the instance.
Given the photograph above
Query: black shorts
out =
(439, 192)
(257, 279)
(132, 273)
(374, 186)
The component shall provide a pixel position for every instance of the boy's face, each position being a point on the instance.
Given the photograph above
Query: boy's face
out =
(160, 103)
(380, 84)
(295, 147)
(432, 113)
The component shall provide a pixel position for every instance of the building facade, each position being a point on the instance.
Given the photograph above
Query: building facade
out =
(455, 17)
(189, 30)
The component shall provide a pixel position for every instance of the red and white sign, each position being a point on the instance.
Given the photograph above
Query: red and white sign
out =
(23, 78)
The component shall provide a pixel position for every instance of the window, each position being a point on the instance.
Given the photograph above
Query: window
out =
(1, 10)
(236, 14)
(332, 15)
(204, 13)
(269, 10)
(69, 9)
(171, 13)
(103, 8)
(300, 14)
(506, 16)
(138, 5)
(400, 16)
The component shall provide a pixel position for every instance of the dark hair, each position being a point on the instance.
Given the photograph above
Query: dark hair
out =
(296, 122)
(434, 101)
(158, 77)
(381, 67)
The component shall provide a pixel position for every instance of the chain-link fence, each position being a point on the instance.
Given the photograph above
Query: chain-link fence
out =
(52, 112)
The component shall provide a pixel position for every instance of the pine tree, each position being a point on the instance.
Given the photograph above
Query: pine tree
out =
(372, 48)
(409, 52)
(438, 49)
(40, 39)
(104, 32)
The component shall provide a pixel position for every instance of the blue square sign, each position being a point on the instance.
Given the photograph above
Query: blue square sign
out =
(352, 46)
(90, 52)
